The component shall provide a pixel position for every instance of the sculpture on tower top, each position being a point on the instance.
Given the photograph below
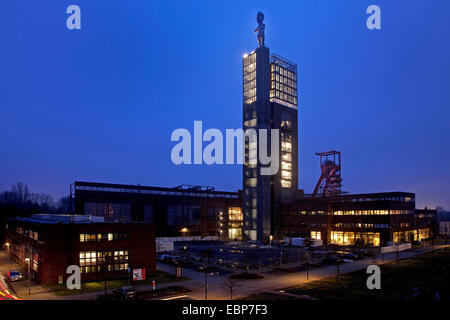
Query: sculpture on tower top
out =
(260, 29)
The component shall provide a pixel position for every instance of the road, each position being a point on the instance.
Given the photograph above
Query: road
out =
(6, 264)
(5, 294)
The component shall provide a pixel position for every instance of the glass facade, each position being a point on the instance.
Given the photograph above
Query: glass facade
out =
(235, 214)
(286, 160)
(283, 81)
(412, 235)
(351, 238)
(179, 215)
(110, 211)
(234, 233)
(250, 78)
(235, 222)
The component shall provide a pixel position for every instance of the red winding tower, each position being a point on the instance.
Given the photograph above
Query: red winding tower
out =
(330, 181)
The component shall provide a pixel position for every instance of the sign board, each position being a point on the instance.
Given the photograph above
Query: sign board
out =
(138, 274)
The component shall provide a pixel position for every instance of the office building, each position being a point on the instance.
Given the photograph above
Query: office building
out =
(183, 211)
(102, 250)
(374, 219)
(269, 103)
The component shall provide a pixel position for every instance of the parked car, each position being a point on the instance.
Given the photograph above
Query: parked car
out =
(350, 256)
(14, 275)
(167, 258)
(125, 293)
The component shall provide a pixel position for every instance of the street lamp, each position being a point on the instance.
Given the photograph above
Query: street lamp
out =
(7, 246)
(29, 275)
(184, 231)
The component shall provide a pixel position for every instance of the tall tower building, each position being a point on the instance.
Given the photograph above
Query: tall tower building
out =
(269, 102)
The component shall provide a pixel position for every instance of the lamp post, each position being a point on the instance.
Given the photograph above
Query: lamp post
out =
(307, 271)
(206, 283)
(206, 266)
(29, 275)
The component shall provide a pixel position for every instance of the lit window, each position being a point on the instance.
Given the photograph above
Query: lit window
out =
(235, 214)
(252, 182)
(286, 157)
(286, 146)
(286, 175)
(286, 183)
(285, 123)
(286, 165)
(315, 235)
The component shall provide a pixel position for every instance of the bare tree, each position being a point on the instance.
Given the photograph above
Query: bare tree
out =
(229, 285)
(19, 201)
(20, 192)
(64, 205)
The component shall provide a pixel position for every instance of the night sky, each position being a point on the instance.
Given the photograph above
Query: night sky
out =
(100, 103)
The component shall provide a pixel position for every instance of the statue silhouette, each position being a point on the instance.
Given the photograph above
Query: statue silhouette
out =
(260, 29)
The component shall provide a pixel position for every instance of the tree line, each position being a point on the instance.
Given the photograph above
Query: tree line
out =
(20, 201)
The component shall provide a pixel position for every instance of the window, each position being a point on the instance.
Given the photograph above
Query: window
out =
(283, 82)
(251, 182)
(88, 258)
(174, 215)
(286, 156)
(286, 183)
(194, 216)
(110, 211)
(286, 146)
(315, 235)
(234, 233)
(250, 123)
(96, 261)
(235, 214)
(286, 165)
(286, 121)
(361, 212)
(286, 174)
(286, 159)
(250, 78)
(351, 238)
(179, 215)
(148, 213)
(90, 237)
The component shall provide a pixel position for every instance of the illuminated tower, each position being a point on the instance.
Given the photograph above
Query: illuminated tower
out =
(269, 102)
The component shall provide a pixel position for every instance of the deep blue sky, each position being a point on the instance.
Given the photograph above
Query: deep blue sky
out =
(100, 104)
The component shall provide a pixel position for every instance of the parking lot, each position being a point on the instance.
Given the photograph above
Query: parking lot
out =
(226, 257)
